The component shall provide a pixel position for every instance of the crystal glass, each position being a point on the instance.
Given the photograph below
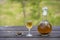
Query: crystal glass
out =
(29, 26)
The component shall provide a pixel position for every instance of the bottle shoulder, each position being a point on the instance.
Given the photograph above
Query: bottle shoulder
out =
(44, 22)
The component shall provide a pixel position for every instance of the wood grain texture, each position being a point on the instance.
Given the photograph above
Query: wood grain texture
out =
(9, 33)
(23, 28)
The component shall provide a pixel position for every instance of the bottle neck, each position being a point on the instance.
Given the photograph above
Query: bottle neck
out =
(44, 18)
(44, 15)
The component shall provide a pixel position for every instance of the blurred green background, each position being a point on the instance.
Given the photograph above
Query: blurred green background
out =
(14, 12)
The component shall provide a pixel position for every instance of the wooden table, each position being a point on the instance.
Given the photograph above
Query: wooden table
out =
(9, 33)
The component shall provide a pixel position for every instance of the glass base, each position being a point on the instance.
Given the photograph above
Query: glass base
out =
(29, 35)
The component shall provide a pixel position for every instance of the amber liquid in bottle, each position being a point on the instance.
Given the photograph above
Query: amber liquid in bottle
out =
(44, 28)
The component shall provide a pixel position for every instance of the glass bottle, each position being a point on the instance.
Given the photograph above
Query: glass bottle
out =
(44, 28)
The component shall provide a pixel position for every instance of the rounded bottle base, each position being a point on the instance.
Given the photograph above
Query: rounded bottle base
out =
(44, 34)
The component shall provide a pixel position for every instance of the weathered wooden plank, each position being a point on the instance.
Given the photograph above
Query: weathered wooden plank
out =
(12, 34)
(23, 28)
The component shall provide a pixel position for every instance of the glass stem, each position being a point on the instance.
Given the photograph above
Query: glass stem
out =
(29, 31)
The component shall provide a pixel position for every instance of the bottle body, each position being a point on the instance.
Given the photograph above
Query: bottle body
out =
(44, 28)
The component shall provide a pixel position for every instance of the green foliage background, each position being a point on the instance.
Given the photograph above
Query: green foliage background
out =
(14, 12)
